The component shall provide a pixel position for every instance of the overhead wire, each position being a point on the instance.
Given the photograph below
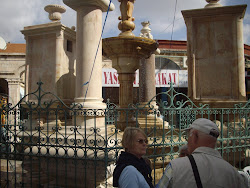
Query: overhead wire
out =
(87, 83)
(173, 24)
(169, 25)
(172, 31)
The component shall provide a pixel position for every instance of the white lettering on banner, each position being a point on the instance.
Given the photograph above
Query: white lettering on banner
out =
(110, 78)
(179, 78)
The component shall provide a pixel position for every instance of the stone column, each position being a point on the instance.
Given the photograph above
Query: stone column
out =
(147, 89)
(126, 89)
(126, 98)
(89, 24)
(14, 91)
(88, 59)
(14, 97)
(216, 54)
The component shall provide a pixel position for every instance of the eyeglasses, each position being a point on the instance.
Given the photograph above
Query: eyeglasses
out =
(141, 141)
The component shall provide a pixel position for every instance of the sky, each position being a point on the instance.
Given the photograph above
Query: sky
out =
(165, 17)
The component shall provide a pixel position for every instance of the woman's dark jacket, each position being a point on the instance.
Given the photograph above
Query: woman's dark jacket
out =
(126, 159)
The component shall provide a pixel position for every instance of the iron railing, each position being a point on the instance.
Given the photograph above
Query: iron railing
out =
(45, 143)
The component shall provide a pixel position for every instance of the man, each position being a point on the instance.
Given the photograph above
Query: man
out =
(212, 169)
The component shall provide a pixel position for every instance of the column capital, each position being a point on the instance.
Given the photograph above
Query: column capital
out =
(59, 34)
(103, 4)
(13, 81)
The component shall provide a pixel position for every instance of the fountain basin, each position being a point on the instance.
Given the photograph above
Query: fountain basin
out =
(126, 51)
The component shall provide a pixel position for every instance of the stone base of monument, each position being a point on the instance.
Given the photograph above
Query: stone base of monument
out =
(35, 124)
(60, 170)
(216, 103)
(69, 157)
(123, 124)
(35, 176)
(222, 104)
(153, 124)
(13, 170)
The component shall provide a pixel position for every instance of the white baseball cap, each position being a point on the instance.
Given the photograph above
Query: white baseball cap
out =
(206, 126)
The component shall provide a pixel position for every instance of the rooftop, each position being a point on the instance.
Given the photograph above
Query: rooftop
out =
(14, 48)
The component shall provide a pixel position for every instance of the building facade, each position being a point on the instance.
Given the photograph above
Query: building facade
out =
(12, 72)
(170, 64)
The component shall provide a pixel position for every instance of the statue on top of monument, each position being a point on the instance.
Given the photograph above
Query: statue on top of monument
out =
(126, 7)
(126, 25)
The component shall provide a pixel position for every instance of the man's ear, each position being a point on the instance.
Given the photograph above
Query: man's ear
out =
(196, 136)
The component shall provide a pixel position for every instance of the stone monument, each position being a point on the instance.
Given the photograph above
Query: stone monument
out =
(50, 58)
(216, 69)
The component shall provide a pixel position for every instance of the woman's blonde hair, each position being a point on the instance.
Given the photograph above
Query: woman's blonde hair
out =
(129, 136)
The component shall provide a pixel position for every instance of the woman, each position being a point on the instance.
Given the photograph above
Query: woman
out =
(132, 171)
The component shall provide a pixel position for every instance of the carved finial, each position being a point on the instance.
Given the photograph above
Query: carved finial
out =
(126, 24)
(146, 31)
(55, 12)
(213, 3)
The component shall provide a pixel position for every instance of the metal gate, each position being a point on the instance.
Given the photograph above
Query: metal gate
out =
(45, 143)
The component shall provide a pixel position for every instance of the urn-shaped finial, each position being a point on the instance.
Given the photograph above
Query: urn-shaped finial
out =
(146, 31)
(55, 12)
(213, 3)
(126, 25)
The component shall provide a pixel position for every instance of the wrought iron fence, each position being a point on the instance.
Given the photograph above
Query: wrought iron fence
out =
(45, 143)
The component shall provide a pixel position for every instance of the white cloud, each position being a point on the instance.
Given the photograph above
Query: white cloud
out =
(246, 28)
(15, 15)
(246, 32)
(160, 14)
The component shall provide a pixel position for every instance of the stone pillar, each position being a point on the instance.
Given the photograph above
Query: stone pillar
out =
(14, 91)
(147, 89)
(125, 99)
(89, 26)
(216, 54)
(126, 89)
(88, 59)
(58, 61)
(14, 98)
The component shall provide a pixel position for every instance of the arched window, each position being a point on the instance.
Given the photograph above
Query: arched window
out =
(165, 63)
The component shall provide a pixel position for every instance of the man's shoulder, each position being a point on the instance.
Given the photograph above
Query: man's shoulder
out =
(179, 160)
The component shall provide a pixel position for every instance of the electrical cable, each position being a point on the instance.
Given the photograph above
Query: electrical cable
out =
(169, 26)
(87, 83)
(173, 24)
